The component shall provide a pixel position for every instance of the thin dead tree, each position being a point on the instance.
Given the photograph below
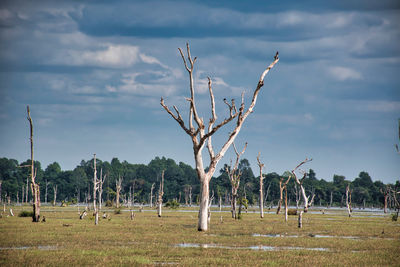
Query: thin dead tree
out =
(261, 166)
(187, 189)
(34, 186)
(348, 199)
(45, 194)
(234, 175)
(282, 187)
(1, 197)
(202, 135)
(101, 182)
(55, 194)
(386, 194)
(300, 183)
(151, 194)
(297, 195)
(96, 186)
(118, 187)
(160, 195)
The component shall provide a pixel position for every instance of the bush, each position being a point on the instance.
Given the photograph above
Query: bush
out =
(292, 212)
(73, 201)
(108, 203)
(117, 211)
(25, 213)
(395, 216)
(173, 204)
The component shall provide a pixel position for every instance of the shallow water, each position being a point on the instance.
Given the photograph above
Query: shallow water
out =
(263, 248)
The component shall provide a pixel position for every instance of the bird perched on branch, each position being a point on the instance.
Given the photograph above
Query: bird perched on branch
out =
(276, 55)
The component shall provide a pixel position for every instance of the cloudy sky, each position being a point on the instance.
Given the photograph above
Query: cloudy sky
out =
(93, 73)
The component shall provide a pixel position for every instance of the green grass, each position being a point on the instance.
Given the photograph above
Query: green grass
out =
(149, 240)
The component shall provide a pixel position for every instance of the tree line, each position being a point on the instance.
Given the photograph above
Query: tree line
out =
(180, 184)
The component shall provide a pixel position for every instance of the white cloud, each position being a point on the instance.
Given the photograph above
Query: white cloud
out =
(344, 73)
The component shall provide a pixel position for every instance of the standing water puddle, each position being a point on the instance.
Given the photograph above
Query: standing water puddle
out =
(323, 236)
(263, 248)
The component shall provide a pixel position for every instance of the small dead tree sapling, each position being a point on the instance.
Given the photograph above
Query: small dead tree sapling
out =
(348, 199)
(160, 195)
(201, 135)
(118, 187)
(300, 183)
(55, 194)
(261, 166)
(34, 186)
(151, 194)
(234, 175)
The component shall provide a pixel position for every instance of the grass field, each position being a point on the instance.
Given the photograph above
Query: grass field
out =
(326, 239)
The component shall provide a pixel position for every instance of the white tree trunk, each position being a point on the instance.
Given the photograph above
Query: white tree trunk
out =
(203, 211)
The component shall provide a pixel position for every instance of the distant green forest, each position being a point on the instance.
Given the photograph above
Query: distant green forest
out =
(77, 184)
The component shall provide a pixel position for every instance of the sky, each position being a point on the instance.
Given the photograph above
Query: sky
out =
(93, 73)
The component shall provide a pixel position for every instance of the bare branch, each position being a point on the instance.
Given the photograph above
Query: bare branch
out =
(177, 118)
(184, 60)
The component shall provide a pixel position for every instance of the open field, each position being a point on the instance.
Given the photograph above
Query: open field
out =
(325, 239)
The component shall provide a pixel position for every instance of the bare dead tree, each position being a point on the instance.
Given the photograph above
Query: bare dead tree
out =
(45, 194)
(267, 193)
(23, 192)
(187, 189)
(118, 187)
(300, 183)
(160, 195)
(297, 195)
(55, 194)
(234, 175)
(1, 196)
(96, 186)
(34, 186)
(151, 194)
(282, 187)
(261, 166)
(331, 199)
(101, 182)
(348, 199)
(202, 135)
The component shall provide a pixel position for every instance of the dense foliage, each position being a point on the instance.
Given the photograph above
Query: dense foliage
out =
(76, 185)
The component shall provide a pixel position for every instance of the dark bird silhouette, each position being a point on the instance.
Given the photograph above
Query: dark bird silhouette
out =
(276, 55)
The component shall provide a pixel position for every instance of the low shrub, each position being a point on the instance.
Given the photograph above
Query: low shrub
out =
(395, 216)
(25, 213)
(292, 212)
(117, 211)
(108, 203)
(173, 204)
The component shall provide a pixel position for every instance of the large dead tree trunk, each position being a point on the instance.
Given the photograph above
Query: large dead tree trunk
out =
(160, 195)
(261, 166)
(300, 183)
(234, 175)
(118, 187)
(202, 135)
(34, 186)
(348, 200)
